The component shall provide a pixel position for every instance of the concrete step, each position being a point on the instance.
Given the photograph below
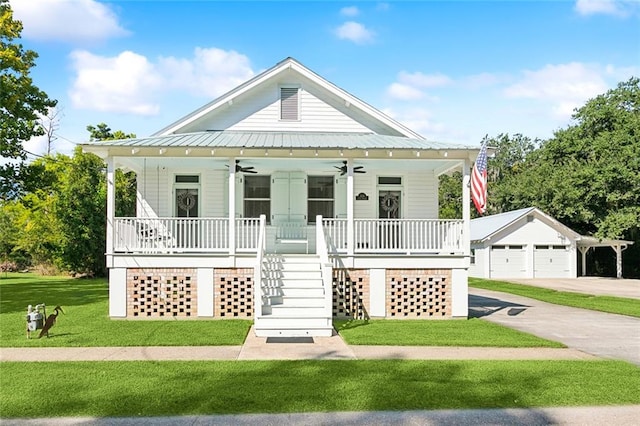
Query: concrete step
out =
(293, 327)
(301, 312)
(298, 266)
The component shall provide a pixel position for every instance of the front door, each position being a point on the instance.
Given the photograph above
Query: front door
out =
(186, 207)
(289, 197)
(389, 205)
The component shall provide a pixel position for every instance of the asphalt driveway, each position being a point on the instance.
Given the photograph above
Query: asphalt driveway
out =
(597, 333)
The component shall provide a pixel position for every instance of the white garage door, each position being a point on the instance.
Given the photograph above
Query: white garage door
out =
(508, 261)
(551, 261)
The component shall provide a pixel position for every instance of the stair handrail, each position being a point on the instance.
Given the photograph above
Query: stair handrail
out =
(257, 270)
(327, 269)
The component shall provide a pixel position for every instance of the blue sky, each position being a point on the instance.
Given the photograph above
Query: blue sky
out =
(452, 71)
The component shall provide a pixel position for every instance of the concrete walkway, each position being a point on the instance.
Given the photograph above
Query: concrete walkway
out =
(259, 348)
(597, 333)
(620, 416)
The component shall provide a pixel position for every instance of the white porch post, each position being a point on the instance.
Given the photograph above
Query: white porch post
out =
(111, 207)
(618, 249)
(350, 226)
(466, 206)
(583, 251)
(232, 206)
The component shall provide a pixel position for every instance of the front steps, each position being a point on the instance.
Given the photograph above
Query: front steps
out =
(293, 298)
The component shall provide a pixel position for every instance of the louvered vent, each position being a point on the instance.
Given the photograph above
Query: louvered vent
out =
(289, 103)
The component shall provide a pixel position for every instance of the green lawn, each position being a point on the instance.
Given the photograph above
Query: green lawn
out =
(197, 387)
(86, 321)
(611, 304)
(472, 332)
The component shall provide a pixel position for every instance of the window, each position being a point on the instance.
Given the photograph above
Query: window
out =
(320, 200)
(187, 179)
(388, 180)
(289, 103)
(257, 196)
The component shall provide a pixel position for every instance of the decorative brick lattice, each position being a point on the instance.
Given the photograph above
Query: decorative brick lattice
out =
(418, 293)
(161, 292)
(351, 293)
(233, 293)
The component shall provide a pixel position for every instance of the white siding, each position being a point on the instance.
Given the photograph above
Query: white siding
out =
(364, 209)
(152, 195)
(214, 201)
(421, 195)
(261, 112)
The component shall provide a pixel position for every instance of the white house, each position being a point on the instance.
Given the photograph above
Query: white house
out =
(290, 202)
(525, 243)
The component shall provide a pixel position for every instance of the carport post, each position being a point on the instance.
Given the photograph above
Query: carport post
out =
(618, 251)
(583, 251)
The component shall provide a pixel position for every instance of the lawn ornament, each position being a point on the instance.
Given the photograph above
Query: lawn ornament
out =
(51, 320)
(35, 318)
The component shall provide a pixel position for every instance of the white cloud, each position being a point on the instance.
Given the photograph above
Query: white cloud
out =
(67, 20)
(410, 86)
(621, 8)
(124, 83)
(131, 83)
(404, 92)
(211, 71)
(564, 86)
(424, 80)
(349, 11)
(354, 32)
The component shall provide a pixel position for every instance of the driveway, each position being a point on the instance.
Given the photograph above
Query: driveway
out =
(588, 285)
(597, 333)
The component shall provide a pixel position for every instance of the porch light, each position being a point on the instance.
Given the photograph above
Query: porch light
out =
(341, 153)
(366, 152)
(162, 151)
(316, 152)
(134, 151)
(290, 152)
(213, 152)
(187, 151)
(241, 151)
(266, 152)
(390, 153)
(417, 153)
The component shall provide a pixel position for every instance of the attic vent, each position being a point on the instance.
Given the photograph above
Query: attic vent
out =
(289, 105)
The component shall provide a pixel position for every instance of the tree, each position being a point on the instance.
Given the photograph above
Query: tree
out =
(50, 123)
(125, 182)
(20, 100)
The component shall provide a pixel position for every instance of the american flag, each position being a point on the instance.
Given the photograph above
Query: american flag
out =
(479, 180)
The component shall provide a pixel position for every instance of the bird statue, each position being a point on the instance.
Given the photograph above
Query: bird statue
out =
(51, 320)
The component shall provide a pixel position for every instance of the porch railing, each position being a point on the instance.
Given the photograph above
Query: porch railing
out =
(175, 234)
(211, 235)
(397, 235)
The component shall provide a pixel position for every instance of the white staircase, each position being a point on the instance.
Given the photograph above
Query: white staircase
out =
(293, 297)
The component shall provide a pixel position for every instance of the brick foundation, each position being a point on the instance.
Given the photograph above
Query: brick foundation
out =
(418, 293)
(161, 292)
(233, 290)
(351, 294)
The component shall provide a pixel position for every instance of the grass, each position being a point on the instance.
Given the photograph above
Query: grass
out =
(86, 321)
(610, 304)
(472, 332)
(187, 388)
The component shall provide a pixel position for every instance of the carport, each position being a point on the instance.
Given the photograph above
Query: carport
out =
(587, 243)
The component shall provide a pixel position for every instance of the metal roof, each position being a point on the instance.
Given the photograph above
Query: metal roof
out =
(485, 226)
(282, 140)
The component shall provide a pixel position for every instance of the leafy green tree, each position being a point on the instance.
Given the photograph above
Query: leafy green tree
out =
(20, 101)
(125, 182)
(82, 213)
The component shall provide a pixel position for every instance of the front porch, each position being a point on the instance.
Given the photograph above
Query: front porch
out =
(224, 237)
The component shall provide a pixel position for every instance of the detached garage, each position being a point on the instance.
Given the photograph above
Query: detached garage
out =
(525, 243)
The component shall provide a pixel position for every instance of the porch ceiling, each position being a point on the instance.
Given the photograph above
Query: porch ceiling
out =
(267, 165)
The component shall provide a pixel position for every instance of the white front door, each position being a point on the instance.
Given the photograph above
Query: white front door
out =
(288, 197)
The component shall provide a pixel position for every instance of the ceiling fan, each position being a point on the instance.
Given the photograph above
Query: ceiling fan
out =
(343, 169)
(247, 169)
